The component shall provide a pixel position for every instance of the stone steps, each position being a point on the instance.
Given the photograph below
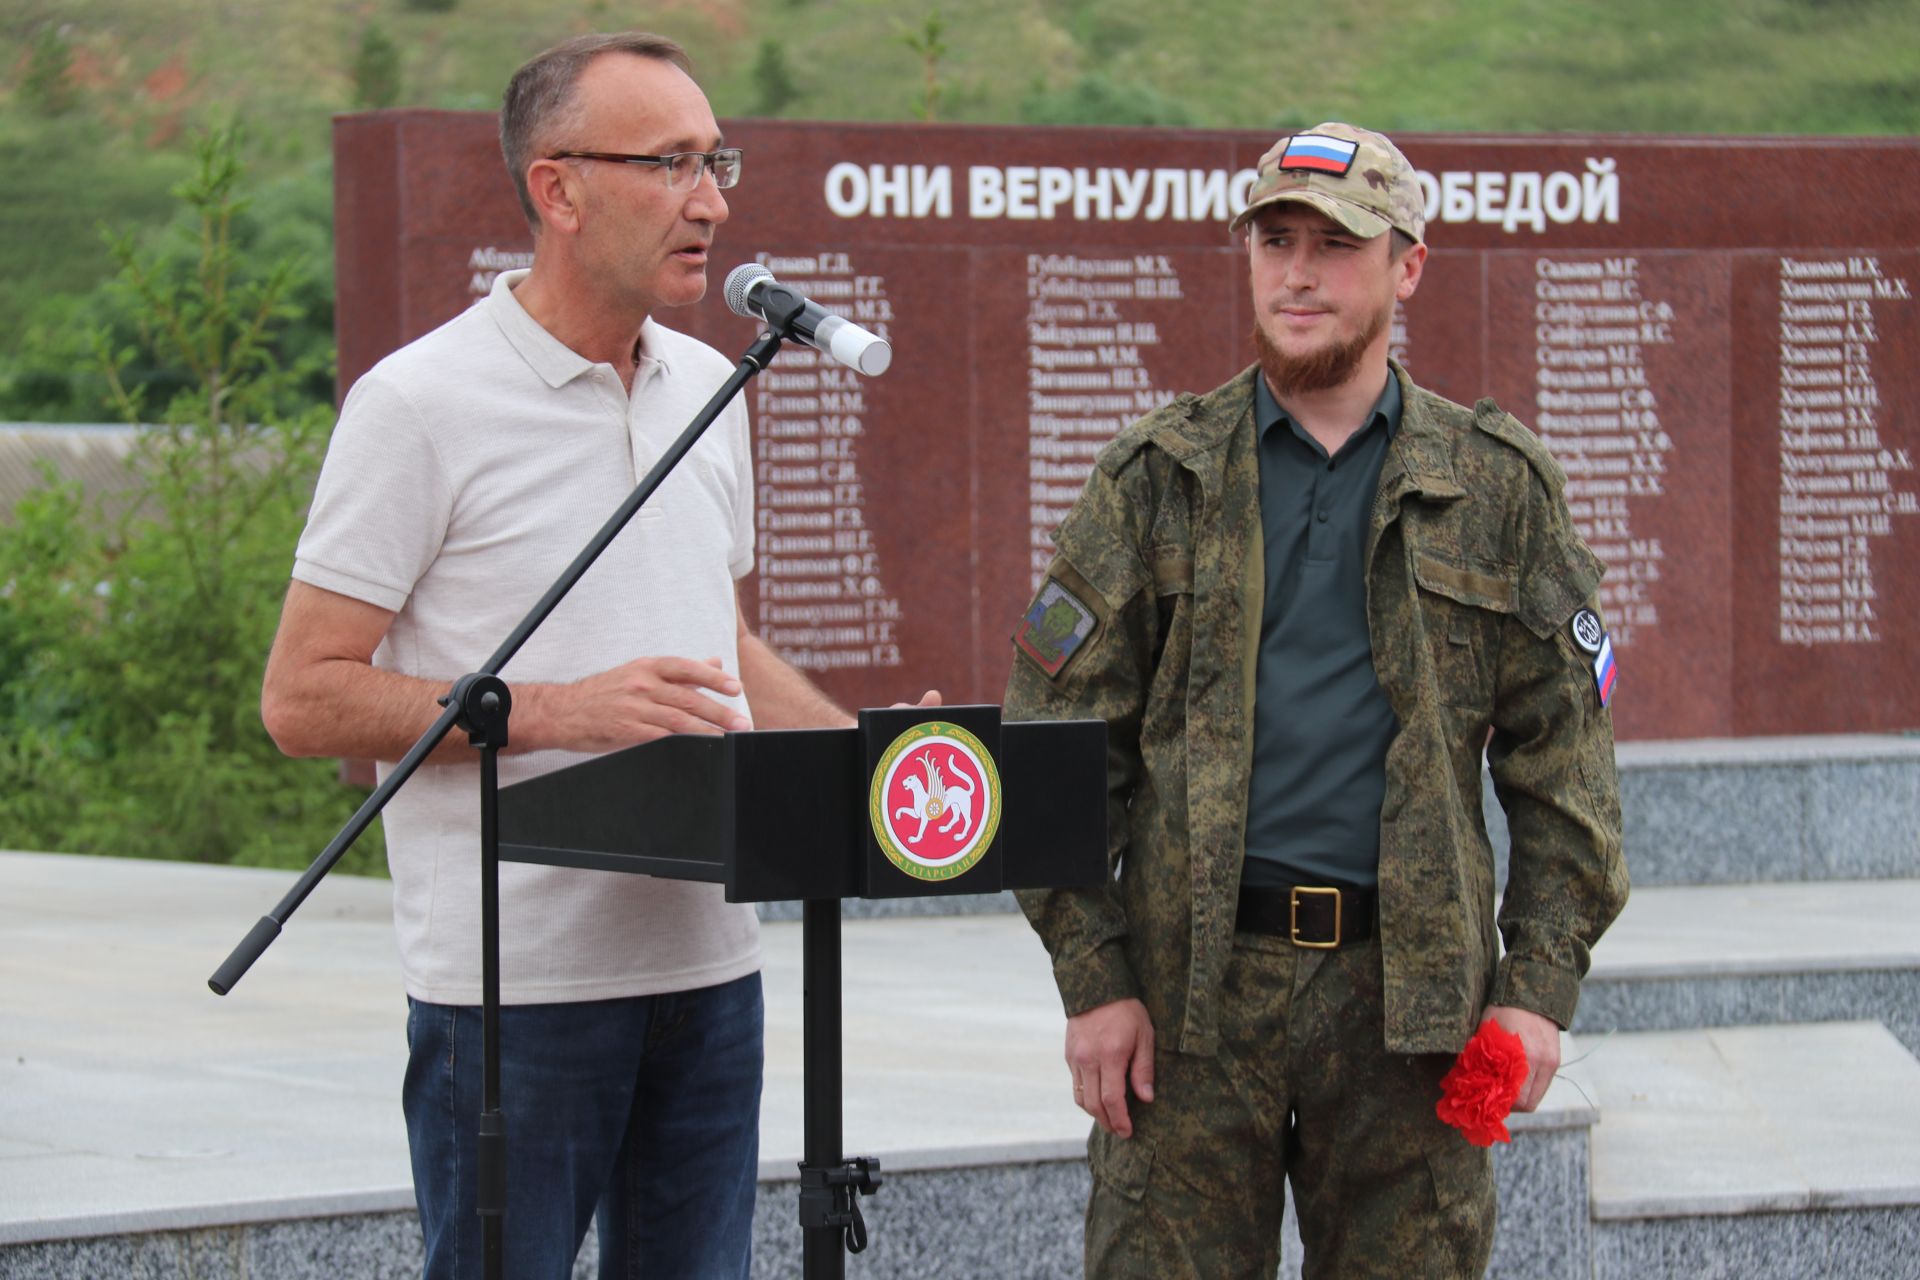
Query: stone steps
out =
(1758, 954)
(1785, 1151)
(149, 1128)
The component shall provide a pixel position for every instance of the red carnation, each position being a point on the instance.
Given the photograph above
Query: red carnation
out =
(1478, 1093)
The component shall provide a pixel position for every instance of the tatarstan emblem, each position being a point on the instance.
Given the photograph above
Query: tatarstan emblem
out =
(935, 801)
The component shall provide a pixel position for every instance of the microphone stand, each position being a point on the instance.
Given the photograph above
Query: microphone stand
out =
(480, 703)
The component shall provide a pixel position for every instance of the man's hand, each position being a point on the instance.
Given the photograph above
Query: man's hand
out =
(1108, 1048)
(1541, 1038)
(637, 702)
(931, 698)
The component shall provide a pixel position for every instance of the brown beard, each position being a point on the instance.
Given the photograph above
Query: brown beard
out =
(1329, 367)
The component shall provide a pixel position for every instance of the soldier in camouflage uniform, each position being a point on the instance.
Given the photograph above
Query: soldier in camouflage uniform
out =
(1237, 1017)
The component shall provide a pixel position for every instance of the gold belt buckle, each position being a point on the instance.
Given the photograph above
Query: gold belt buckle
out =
(1293, 918)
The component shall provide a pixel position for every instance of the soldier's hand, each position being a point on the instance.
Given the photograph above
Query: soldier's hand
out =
(1108, 1049)
(1541, 1039)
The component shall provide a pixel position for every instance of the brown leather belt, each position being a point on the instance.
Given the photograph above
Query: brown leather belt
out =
(1318, 917)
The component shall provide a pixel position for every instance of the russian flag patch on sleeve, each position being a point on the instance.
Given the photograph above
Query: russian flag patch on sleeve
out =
(1318, 152)
(1604, 670)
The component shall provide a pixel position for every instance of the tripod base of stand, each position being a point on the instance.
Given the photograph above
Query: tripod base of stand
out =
(829, 1198)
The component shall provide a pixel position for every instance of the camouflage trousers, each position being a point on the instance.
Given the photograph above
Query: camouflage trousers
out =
(1302, 1091)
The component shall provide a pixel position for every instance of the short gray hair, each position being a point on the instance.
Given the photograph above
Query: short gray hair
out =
(540, 95)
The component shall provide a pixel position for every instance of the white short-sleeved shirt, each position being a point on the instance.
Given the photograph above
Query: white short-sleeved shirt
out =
(467, 470)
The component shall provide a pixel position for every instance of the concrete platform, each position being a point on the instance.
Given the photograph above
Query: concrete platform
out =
(149, 1127)
(133, 1099)
(1738, 1120)
(1757, 1152)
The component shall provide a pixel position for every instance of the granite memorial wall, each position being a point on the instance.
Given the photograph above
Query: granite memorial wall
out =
(1718, 339)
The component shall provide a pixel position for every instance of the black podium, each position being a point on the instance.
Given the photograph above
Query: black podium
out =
(915, 801)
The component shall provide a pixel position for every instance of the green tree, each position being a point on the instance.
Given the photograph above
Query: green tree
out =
(51, 375)
(928, 43)
(376, 70)
(133, 645)
(47, 85)
(773, 85)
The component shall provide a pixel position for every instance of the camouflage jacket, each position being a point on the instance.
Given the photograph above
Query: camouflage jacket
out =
(1474, 573)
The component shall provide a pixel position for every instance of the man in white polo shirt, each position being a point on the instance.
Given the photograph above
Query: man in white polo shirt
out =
(467, 469)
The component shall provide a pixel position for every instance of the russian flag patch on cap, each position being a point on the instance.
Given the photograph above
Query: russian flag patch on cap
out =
(1318, 152)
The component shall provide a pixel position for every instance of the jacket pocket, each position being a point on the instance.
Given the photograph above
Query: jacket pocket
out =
(1172, 571)
(1462, 605)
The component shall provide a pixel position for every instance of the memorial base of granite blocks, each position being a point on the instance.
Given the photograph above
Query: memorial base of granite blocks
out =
(1011, 1222)
(1836, 1244)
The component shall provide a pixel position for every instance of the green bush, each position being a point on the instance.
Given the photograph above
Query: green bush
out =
(1097, 99)
(132, 647)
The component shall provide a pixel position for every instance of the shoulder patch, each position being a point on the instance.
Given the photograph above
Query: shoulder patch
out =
(1587, 631)
(1054, 627)
(1503, 426)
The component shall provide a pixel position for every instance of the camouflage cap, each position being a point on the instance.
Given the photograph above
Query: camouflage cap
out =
(1357, 178)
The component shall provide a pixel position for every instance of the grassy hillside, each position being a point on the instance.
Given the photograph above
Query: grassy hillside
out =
(104, 142)
(1715, 66)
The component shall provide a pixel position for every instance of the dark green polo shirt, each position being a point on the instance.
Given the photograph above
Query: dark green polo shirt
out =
(1321, 721)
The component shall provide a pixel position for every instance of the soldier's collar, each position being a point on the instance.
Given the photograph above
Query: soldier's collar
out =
(1270, 415)
(1423, 447)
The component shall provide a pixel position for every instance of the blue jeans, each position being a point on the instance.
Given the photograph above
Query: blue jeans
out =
(646, 1110)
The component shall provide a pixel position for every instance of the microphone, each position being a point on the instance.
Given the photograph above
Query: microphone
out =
(753, 292)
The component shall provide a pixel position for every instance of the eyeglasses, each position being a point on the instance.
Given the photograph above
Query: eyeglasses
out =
(684, 168)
